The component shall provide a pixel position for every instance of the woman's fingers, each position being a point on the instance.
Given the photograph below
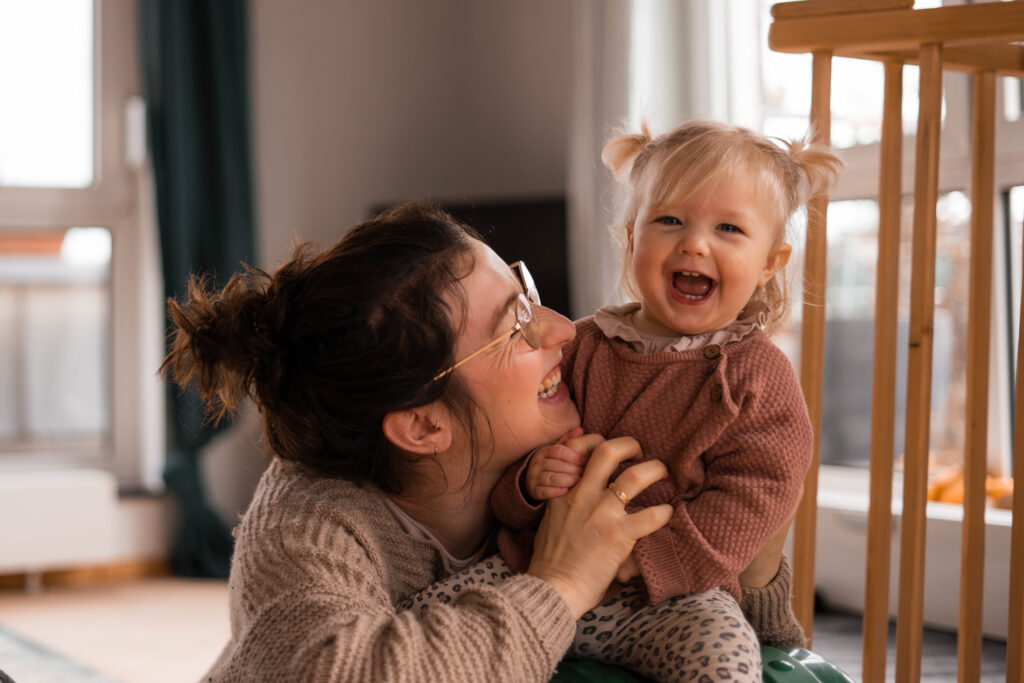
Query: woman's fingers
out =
(585, 444)
(636, 478)
(606, 457)
(645, 522)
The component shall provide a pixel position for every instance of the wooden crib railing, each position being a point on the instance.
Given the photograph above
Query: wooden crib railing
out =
(980, 39)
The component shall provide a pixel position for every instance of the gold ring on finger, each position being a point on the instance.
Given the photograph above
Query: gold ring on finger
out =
(619, 493)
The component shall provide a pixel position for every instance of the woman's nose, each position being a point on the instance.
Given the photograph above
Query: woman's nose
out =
(555, 328)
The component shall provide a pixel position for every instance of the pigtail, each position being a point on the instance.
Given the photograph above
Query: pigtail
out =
(620, 153)
(221, 340)
(818, 165)
(804, 170)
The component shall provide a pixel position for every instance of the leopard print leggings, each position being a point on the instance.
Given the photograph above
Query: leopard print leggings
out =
(700, 637)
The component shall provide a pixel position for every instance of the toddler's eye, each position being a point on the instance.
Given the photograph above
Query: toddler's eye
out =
(728, 227)
(668, 220)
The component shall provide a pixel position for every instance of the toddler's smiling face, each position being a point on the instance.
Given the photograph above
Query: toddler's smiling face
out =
(697, 261)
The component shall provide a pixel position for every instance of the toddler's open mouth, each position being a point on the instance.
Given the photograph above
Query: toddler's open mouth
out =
(691, 285)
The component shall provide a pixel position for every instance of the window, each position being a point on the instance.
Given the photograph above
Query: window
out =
(852, 250)
(720, 67)
(55, 340)
(46, 70)
(79, 290)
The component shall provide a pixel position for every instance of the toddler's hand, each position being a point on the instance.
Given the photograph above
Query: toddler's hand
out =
(555, 469)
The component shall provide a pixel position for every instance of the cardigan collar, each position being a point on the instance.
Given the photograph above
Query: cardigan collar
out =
(617, 322)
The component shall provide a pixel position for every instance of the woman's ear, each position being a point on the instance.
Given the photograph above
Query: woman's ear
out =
(422, 431)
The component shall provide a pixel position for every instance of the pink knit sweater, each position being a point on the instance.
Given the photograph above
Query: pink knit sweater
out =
(730, 423)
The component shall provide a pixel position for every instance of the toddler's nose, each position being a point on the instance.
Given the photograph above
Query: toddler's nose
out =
(693, 243)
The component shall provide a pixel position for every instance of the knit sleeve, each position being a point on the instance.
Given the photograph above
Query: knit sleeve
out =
(516, 632)
(769, 610)
(314, 607)
(753, 473)
(510, 503)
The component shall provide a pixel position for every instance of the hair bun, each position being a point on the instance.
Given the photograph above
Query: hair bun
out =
(221, 339)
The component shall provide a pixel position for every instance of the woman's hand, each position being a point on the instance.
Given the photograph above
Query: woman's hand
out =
(586, 535)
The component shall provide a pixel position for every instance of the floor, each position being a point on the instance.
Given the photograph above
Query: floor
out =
(154, 631)
(166, 629)
(837, 637)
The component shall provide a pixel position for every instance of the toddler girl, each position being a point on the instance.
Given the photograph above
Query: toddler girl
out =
(688, 370)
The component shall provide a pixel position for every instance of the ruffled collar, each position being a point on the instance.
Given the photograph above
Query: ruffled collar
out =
(616, 322)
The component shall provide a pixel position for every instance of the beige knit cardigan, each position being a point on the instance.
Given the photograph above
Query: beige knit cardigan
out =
(320, 565)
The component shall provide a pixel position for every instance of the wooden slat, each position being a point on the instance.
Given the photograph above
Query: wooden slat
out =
(919, 364)
(1005, 60)
(1015, 626)
(883, 389)
(979, 320)
(900, 29)
(812, 353)
(814, 8)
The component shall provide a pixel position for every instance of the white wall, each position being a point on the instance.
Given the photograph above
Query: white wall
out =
(362, 103)
(356, 104)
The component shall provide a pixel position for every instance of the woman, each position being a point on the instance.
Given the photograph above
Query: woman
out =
(385, 460)
(398, 374)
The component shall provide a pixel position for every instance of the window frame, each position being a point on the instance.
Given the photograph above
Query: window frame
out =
(119, 199)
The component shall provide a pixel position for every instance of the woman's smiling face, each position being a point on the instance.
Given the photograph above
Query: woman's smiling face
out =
(697, 262)
(517, 388)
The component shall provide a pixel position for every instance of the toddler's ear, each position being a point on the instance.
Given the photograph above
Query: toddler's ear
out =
(777, 260)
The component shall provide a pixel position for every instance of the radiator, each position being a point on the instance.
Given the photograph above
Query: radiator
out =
(56, 519)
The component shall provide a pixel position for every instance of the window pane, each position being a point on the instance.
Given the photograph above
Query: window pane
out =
(849, 336)
(856, 107)
(1013, 98)
(46, 93)
(1015, 228)
(55, 340)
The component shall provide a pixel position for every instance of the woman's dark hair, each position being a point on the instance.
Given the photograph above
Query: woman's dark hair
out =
(334, 340)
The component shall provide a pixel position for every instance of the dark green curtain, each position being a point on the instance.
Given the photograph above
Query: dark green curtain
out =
(195, 66)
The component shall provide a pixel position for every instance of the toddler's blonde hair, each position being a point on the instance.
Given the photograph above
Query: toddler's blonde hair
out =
(692, 158)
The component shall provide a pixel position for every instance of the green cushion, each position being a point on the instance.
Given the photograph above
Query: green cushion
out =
(589, 671)
(798, 665)
(780, 666)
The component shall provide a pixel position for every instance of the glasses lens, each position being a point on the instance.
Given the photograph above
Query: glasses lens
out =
(527, 324)
(526, 280)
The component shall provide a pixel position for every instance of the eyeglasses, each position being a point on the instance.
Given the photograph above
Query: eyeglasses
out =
(525, 322)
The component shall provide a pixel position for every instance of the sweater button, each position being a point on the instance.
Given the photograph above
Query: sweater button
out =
(712, 351)
(716, 392)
